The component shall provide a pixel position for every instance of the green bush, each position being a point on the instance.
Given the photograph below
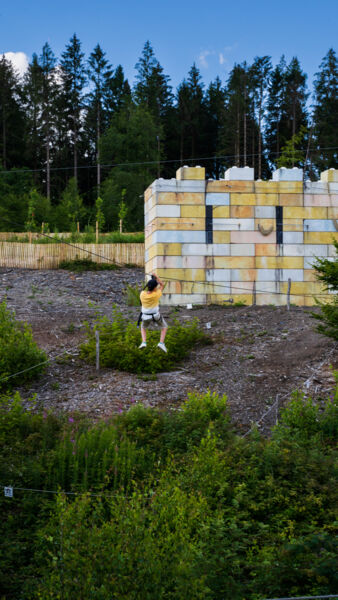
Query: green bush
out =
(18, 350)
(120, 338)
(327, 273)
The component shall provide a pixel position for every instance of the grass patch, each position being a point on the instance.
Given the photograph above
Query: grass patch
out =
(120, 338)
(86, 264)
(115, 237)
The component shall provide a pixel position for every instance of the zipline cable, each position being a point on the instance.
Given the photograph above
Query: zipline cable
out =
(168, 161)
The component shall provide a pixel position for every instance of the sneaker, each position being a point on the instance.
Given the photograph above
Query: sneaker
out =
(162, 346)
(143, 345)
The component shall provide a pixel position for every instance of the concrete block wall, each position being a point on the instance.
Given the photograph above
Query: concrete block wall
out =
(213, 241)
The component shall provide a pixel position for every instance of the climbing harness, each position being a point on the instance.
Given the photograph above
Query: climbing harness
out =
(148, 314)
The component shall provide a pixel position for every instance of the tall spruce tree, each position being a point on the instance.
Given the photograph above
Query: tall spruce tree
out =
(286, 106)
(260, 72)
(154, 92)
(152, 88)
(117, 93)
(73, 74)
(275, 110)
(325, 113)
(215, 109)
(50, 93)
(192, 116)
(32, 96)
(12, 145)
(234, 136)
(99, 73)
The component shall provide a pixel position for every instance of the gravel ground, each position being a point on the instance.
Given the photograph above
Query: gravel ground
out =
(258, 357)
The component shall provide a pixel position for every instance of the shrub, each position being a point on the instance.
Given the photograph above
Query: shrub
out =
(119, 341)
(327, 272)
(18, 350)
(132, 294)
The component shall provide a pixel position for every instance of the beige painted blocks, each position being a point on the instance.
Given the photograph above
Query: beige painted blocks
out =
(191, 210)
(329, 176)
(190, 173)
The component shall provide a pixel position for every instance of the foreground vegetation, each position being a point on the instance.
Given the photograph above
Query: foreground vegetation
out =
(168, 504)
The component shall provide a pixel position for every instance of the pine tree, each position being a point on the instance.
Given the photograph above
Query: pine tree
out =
(154, 92)
(234, 140)
(100, 74)
(215, 109)
(192, 115)
(12, 148)
(260, 72)
(73, 76)
(50, 93)
(152, 89)
(32, 96)
(117, 93)
(325, 114)
(286, 107)
(275, 110)
(295, 98)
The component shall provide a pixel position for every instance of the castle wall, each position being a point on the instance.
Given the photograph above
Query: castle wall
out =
(239, 239)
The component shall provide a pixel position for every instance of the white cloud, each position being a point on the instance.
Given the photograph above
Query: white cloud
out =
(222, 58)
(203, 58)
(19, 61)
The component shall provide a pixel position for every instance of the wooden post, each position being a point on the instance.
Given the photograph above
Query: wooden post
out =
(254, 293)
(288, 294)
(120, 225)
(42, 227)
(97, 232)
(97, 337)
(30, 237)
(78, 227)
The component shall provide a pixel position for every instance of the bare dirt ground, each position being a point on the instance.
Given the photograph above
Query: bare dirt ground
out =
(258, 357)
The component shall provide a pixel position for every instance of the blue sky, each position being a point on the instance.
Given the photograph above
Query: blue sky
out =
(214, 35)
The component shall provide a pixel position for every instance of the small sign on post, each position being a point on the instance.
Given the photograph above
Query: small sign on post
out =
(97, 337)
(8, 491)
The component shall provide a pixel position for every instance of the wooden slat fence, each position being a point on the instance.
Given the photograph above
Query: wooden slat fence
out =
(49, 256)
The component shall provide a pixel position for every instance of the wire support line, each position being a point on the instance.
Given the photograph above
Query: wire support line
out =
(162, 162)
(84, 493)
(35, 366)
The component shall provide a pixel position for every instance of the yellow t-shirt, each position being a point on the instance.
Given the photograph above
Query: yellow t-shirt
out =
(150, 299)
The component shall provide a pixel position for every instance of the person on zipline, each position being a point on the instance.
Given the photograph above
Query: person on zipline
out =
(150, 313)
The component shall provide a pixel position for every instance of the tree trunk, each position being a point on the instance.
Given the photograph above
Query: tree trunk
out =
(98, 133)
(48, 157)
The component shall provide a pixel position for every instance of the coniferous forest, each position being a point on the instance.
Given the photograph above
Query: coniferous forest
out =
(73, 130)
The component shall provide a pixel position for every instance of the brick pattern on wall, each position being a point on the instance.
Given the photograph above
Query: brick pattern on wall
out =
(212, 241)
